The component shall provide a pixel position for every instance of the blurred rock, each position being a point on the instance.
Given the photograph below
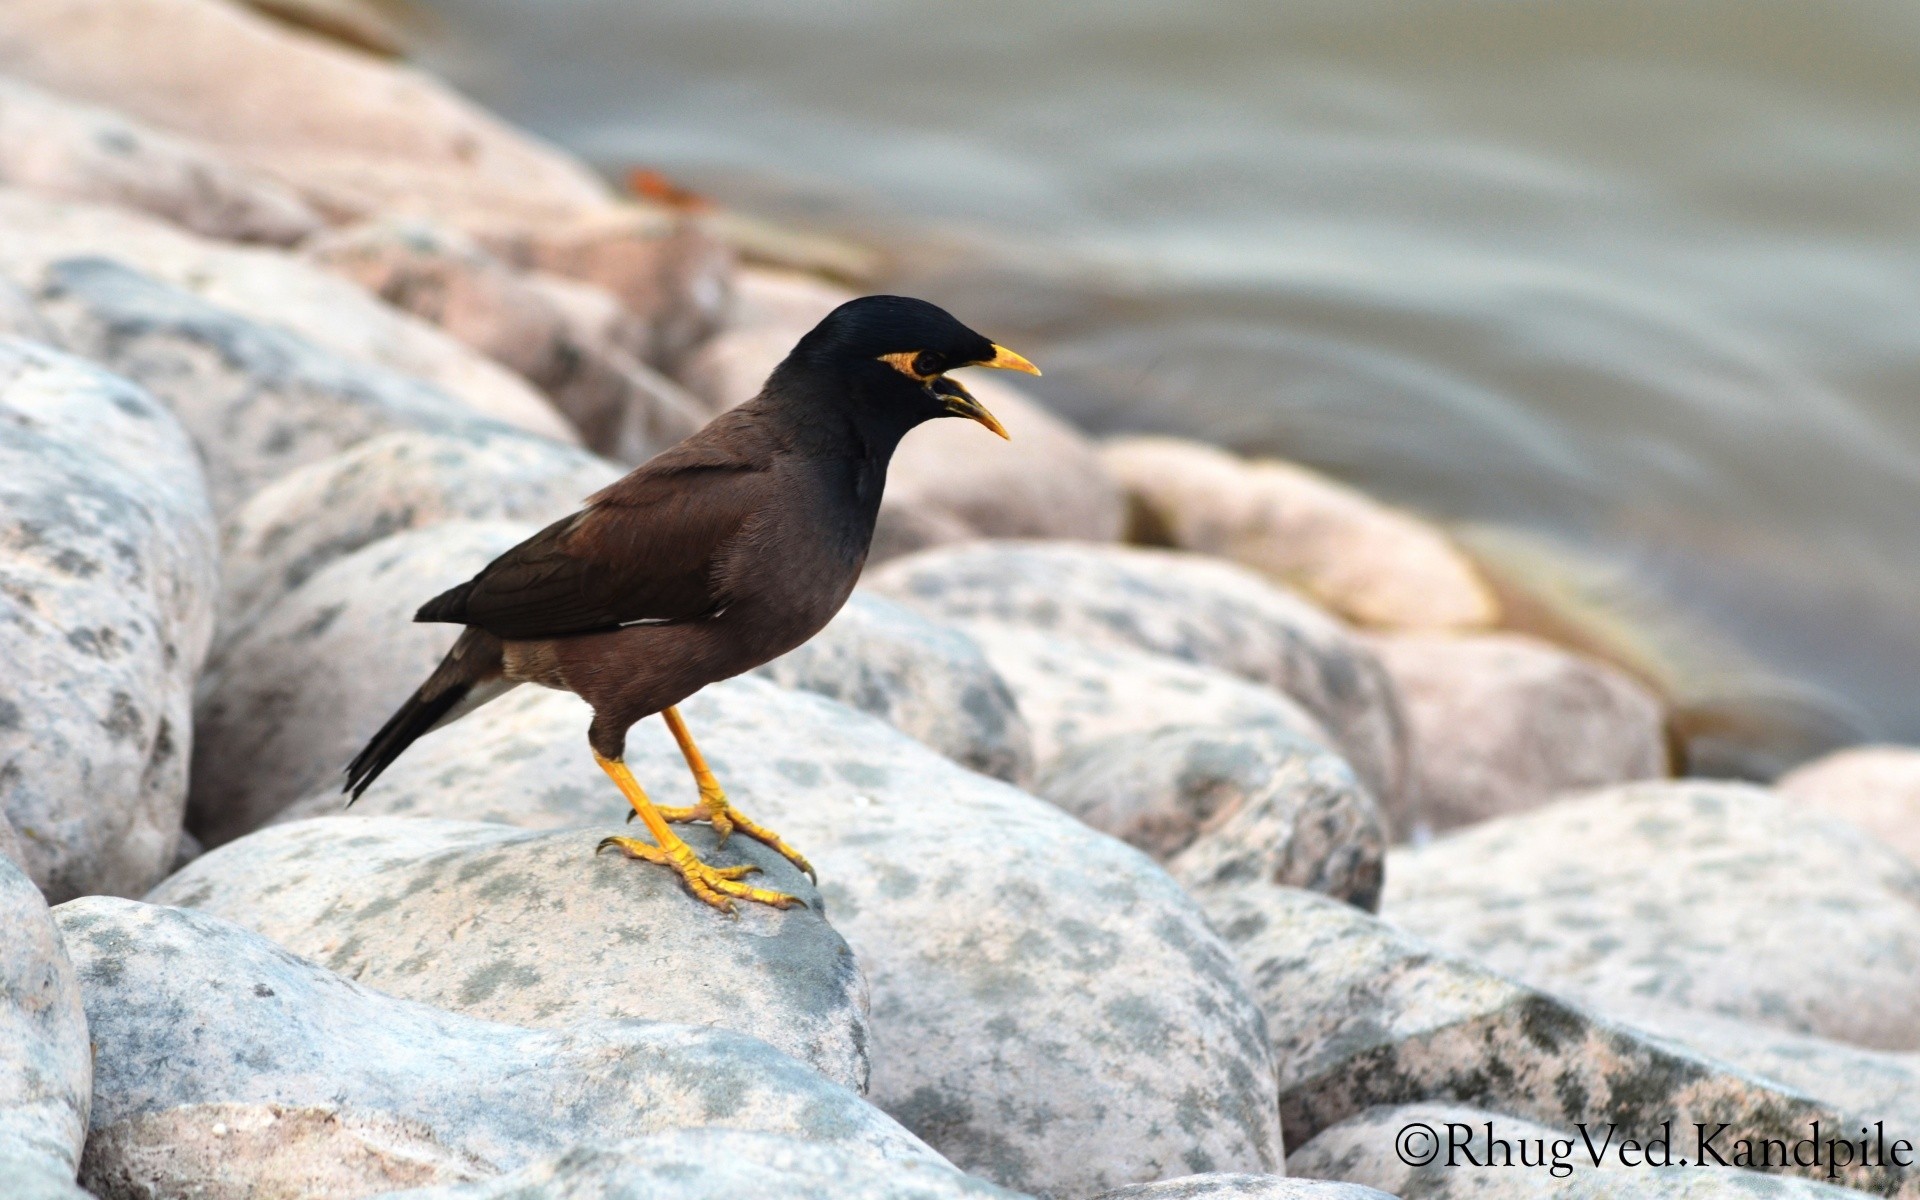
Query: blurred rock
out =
(1363, 1149)
(285, 705)
(356, 136)
(62, 148)
(269, 288)
(258, 401)
(931, 682)
(552, 333)
(1073, 694)
(355, 23)
(769, 312)
(1372, 564)
(1050, 1010)
(46, 1071)
(1180, 605)
(538, 929)
(191, 1015)
(20, 319)
(1686, 895)
(720, 1164)
(1876, 788)
(1224, 806)
(294, 527)
(107, 577)
(1502, 723)
(1243, 1187)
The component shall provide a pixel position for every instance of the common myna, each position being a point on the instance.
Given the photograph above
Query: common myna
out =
(712, 558)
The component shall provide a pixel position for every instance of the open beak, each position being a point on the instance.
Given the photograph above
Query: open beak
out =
(960, 402)
(1006, 360)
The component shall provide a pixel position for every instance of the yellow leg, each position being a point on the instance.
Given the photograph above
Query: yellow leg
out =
(711, 884)
(713, 805)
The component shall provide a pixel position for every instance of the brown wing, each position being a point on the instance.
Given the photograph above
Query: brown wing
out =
(643, 551)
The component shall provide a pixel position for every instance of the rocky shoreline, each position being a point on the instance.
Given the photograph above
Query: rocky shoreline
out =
(1188, 826)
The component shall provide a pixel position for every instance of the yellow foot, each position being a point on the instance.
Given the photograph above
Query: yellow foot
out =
(711, 884)
(726, 819)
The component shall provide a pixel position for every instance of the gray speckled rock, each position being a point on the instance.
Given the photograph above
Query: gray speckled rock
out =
(1181, 605)
(316, 514)
(54, 145)
(1243, 1187)
(188, 1010)
(271, 288)
(259, 401)
(107, 576)
(1363, 1015)
(536, 929)
(718, 1164)
(285, 705)
(1683, 895)
(931, 682)
(1225, 806)
(1073, 693)
(20, 319)
(1501, 723)
(1362, 1149)
(1050, 1010)
(46, 1073)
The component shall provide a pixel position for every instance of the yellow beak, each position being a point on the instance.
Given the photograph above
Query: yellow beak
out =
(1006, 360)
(960, 402)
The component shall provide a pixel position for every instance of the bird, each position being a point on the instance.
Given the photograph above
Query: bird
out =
(715, 556)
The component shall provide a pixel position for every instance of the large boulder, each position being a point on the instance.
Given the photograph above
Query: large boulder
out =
(1050, 1010)
(1690, 895)
(1365, 1016)
(1874, 788)
(1222, 806)
(1372, 564)
(202, 1028)
(46, 1070)
(719, 1164)
(929, 681)
(107, 576)
(1502, 723)
(355, 135)
(1208, 612)
(294, 527)
(285, 704)
(536, 928)
(1243, 1187)
(54, 145)
(272, 289)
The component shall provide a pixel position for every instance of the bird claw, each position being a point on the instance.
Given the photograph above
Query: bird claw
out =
(727, 820)
(714, 885)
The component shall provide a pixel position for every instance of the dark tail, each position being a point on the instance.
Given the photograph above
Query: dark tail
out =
(475, 659)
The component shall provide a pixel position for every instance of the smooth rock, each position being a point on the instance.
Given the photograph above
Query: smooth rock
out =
(355, 135)
(550, 333)
(62, 148)
(270, 288)
(1180, 605)
(1364, 1015)
(285, 705)
(1074, 694)
(107, 577)
(1688, 895)
(538, 929)
(1222, 806)
(294, 527)
(1502, 723)
(719, 1164)
(190, 1013)
(1050, 1010)
(20, 319)
(46, 1071)
(1875, 788)
(1372, 564)
(931, 682)
(1536, 1162)
(769, 312)
(1243, 1187)
(356, 23)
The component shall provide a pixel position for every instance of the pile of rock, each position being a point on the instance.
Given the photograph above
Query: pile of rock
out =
(1124, 850)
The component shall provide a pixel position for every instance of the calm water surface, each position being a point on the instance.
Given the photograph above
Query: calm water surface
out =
(1638, 278)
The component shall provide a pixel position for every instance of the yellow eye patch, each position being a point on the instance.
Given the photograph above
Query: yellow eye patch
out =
(907, 362)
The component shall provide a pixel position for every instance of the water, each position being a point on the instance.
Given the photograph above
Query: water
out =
(1640, 277)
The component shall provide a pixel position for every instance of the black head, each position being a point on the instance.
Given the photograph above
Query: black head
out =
(894, 352)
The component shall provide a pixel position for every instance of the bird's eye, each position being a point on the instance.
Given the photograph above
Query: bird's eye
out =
(926, 364)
